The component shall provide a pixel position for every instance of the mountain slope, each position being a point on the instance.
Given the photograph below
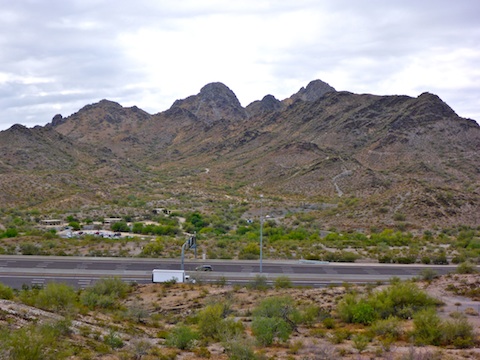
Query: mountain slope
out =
(373, 158)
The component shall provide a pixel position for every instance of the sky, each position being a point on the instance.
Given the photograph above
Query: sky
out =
(59, 55)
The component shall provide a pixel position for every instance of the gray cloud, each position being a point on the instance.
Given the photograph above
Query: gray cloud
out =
(58, 56)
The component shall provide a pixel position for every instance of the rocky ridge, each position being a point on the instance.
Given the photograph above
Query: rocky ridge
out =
(413, 158)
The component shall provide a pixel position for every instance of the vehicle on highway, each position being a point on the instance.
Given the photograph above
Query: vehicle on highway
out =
(160, 275)
(204, 268)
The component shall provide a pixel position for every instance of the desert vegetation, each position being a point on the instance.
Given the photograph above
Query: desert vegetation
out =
(115, 320)
(228, 230)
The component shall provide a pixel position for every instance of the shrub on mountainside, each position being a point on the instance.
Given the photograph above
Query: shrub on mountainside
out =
(57, 297)
(182, 337)
(6, 292)
(275, 318)
(105, 293)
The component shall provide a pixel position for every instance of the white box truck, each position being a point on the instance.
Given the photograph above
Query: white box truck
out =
(161, 275)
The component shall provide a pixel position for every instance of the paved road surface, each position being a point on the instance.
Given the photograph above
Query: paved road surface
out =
(81, 272)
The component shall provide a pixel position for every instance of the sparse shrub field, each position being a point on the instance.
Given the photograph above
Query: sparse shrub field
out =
(119, 321)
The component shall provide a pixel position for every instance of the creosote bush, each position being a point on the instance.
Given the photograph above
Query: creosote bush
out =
(274, 319)
(36, 342)
(283, 282)
(57, 297)
(182, 337)
(105, 293)
(6, 292)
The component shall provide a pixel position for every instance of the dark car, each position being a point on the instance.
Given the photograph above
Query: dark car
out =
(204, 268)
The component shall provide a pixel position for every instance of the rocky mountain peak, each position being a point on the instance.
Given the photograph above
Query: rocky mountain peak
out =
(57, 119)
(18, 128)
(268, 104)
(429, 107)
(214, 102)
(314, 90)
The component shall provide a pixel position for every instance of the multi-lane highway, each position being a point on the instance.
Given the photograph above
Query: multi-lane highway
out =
(16, 271)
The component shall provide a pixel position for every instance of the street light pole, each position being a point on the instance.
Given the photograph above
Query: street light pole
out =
(261, 233)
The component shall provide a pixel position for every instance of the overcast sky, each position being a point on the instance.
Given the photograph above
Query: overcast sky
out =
(59, 55)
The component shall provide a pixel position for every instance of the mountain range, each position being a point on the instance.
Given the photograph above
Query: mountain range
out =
(363, 160)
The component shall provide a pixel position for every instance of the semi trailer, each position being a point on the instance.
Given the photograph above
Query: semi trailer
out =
(161, 275)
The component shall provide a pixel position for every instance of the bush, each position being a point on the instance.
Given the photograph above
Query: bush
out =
(120, 226)
(283, 282)
(267, 329)
(389, 328)
(182, 337)
(6, 292)
(360, 342)
(427, 329)
(9, 233)
(240, 349)
(329, 323)
(29, 249)
(458, 332)
(213, 322)
(35, 342)
(274, 318)
(440, 259)
(113, 340)
(259, 283)
(401, 299)
(428, 274)
(57, 297)
(425, 260)
(466, 268)
(105, 293)
(250, 251)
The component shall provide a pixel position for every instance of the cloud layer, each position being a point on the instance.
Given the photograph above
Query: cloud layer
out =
(58, 56)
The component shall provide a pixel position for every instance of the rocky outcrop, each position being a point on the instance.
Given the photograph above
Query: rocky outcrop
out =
(215, 102)
(268, 104)
(314, 91)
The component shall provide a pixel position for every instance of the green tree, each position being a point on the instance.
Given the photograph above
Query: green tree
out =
(75, 225)
(210, 319)
(137, 228)
(120, 226)
(196, 222)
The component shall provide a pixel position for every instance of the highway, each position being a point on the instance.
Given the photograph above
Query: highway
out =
(80, 272)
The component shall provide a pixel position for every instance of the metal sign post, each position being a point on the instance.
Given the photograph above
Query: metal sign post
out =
(191, 243)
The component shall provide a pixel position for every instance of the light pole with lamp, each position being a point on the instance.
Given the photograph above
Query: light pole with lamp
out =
(261, 233)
